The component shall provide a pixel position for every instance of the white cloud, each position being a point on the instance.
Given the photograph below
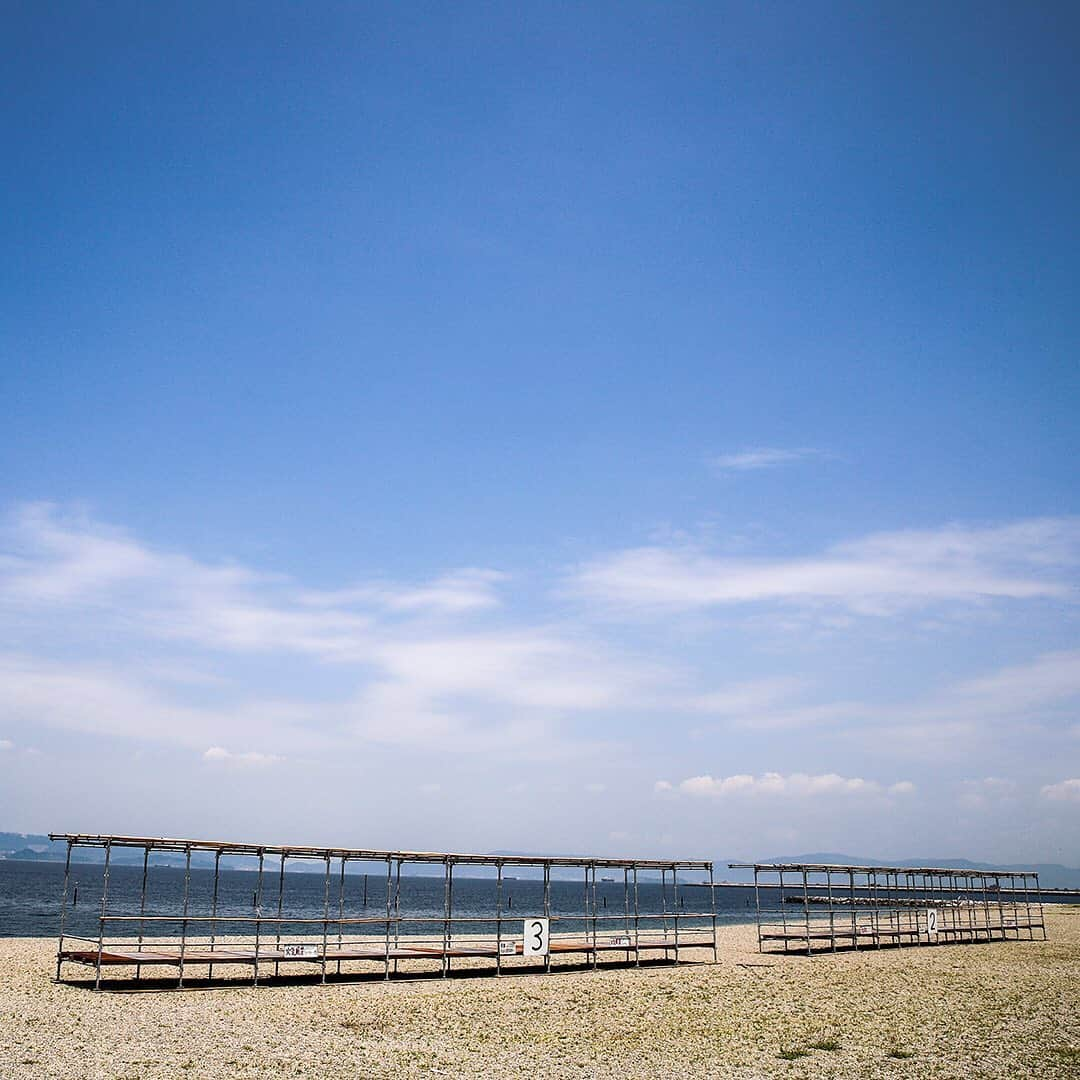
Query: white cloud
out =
(880, 574)
(798, 785)
(761, 457)
(662, 785)
(6, 744)
(1066, 791)
(456, 593)
(218, 755)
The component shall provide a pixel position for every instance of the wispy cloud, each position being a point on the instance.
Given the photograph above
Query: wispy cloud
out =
(762, 457)
(797, 785)
(1066, 791)
(881, 574)
(251, 759)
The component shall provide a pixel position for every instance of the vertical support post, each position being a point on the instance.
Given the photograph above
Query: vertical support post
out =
(450, 917)
(325, 917)
(712, 898)
(854, 911)
(663, 906)
(389, 883)
(986, 906)
(1027, 909)
(184, 921)
(783, 908)
(142, 908)
(757, 911)
(595, 916)
(101, 919)
(446, 915)
(1001, 907)
(675, 906)
(280, 909)
(637, 923)
(397, 910)
(341, 912)
(1042, 914)
(258, 918)
(875, 908)
(806, 909)
(626, 908)
(63, 912)
(547, 913)
(832, 912)
(498, 917)
(213, 909)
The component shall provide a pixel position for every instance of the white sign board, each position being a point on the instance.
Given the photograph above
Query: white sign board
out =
(622, 940)
(536, 937)
(300, 952)
(507, 948)
(931, 921)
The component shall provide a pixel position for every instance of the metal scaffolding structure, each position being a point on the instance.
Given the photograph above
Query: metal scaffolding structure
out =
(195, 934)
(823, 907)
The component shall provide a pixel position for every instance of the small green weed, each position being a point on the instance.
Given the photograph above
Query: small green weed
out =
(901, 1055)
(792, 1055)
(825, 1044)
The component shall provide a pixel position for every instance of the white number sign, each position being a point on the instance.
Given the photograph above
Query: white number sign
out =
(621, 940)
(931, 921)
(536, 937)
(300, 952)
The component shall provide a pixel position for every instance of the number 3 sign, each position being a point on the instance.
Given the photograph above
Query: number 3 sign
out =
(536, 937)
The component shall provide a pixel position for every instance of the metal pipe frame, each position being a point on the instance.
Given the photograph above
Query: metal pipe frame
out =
(670, 936)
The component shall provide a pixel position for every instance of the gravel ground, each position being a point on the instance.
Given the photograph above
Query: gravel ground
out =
(1001, 1010)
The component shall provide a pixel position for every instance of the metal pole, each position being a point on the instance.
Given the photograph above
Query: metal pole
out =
(675, 906)
(325, 917)
(1042, 914)
(450, 916)
(806, 909)
(547, 912)
(101, 921)
(63, 912)
(626, 909)
(595, 916)
(142, 908)
(832, 912)
(712, 897)
(258, 917)
(341, 912)
(184, 921)
(854, 912)
(446, 914)
(280, 909)
(397, 911)
(637, 923)
(213, 910)
(389, 894)
(757, 912)
(663, 905)
(498, 917)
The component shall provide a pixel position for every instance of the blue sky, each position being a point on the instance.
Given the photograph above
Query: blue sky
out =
(640, 428)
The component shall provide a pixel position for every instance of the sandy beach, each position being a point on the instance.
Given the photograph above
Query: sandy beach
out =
(999, 1010)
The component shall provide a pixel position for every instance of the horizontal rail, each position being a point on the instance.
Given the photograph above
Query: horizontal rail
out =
(151, 843)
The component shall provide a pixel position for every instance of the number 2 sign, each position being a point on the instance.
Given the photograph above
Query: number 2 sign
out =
(536, 937)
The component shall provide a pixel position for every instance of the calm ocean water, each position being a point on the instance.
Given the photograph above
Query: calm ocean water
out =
(30, 894)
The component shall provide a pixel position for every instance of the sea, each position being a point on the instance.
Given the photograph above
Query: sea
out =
(31, 894)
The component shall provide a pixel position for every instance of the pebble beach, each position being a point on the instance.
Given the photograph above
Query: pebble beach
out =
(990, 1010)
